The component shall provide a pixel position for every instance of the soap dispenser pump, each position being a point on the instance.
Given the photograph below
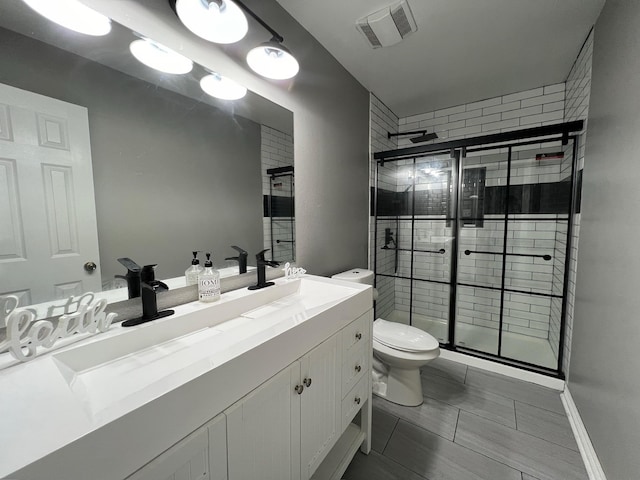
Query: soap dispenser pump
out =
(209, 282)
(192, 273)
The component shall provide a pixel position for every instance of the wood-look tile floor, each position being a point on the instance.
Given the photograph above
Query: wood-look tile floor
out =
(473, 425)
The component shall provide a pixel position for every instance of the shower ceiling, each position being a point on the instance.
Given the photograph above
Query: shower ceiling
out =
(463, 51)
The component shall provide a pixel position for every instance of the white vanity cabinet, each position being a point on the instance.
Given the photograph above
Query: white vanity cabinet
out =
(263, 431)
(285, 428)
(200, 456)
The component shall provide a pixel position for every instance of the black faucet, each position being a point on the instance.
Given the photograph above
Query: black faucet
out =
(150, 287)
(262, 274)
(241, 258)
(132, 277)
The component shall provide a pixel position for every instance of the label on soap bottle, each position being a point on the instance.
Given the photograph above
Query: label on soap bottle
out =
(208, 288)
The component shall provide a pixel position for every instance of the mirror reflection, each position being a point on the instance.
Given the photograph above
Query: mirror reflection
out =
(103, 158)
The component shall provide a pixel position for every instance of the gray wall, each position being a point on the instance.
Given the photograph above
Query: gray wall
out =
(166, 168)
(331, 122)
(605, 358)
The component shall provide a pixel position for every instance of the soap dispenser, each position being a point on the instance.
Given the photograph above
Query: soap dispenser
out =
(209, 282)
(192, 273)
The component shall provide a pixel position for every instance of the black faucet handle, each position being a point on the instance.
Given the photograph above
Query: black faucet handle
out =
(241, 251)
(130, 265)
(260, 255)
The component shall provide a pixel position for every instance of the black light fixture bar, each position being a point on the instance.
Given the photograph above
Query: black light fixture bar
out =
(276, 36)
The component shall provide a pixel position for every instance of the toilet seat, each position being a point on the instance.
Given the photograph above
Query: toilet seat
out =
(401, 337)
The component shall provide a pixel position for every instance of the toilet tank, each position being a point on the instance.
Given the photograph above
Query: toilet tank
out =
(358, 275)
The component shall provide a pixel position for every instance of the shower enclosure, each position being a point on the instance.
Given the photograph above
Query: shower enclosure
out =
(472, 240)
(280, 209)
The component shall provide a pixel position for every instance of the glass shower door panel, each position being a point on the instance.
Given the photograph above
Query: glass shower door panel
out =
(532, 254)
(482, 207)
(480, 254)
(393, 246)
(477, 318)
(527, 327)
(430, 308)
(432, 243)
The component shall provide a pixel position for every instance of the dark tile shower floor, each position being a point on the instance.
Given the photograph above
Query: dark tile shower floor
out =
(473, 425)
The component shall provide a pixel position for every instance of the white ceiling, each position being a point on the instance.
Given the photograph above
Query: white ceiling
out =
(463, 51)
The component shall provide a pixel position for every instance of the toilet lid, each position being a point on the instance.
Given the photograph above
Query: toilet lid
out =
(403, 337)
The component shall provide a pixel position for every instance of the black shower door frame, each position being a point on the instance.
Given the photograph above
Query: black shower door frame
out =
(458, 152)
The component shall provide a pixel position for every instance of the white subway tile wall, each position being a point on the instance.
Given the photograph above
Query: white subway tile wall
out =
(277, 151)
(531, 108)
(578, 90)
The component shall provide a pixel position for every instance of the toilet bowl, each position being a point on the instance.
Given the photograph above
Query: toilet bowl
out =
(399, 351)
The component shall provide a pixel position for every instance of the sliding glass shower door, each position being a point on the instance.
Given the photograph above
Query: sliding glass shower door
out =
(511, 276)
(414, 241)
(471, 245)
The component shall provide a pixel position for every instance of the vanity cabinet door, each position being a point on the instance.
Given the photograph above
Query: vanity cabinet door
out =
(320, 403)
(263, 430)
(200, 456)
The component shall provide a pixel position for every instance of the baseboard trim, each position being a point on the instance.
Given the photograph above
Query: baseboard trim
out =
(589, 457)
(507, 370)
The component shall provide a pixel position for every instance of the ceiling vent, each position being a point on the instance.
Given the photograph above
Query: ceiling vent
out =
(388, 26)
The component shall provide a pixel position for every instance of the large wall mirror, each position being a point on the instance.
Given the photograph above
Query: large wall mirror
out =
(102, 157)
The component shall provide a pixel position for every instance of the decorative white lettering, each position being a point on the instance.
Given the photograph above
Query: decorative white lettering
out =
(24, 336)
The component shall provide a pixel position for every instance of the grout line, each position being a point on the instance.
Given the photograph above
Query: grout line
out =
(455, 430)
(390, 435)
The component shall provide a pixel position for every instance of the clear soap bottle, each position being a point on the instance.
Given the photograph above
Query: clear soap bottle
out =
(192, 273)
(209, 282)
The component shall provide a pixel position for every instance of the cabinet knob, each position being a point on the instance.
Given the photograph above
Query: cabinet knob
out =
(307, 382)
(358, 368)
(299, 389)
(358, 336)
(357, 400)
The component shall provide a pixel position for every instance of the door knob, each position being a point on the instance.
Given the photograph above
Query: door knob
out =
(307, 382)
(357, 400)
(299, 389)
(90, 267)
(358, 368)
(358, 336)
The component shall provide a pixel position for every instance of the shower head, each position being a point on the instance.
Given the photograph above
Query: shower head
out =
(423, 135)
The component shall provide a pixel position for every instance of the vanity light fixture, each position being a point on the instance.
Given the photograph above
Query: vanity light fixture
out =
(159, 57)
(73, 15)
(271, 59)
(223, 21)
(218, 21)
(221, 87)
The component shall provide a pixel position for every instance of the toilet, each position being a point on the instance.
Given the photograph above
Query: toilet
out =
(399, 351)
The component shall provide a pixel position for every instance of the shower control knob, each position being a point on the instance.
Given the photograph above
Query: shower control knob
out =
(299, 389)
(358, 368)
(358, 336)
(307, 382)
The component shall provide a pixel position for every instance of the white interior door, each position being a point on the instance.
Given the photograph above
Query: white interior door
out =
(48, 225)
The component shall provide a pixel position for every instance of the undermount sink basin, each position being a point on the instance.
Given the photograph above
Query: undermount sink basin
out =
(153, 355)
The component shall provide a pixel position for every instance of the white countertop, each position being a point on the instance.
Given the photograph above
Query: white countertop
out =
(67, 394)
